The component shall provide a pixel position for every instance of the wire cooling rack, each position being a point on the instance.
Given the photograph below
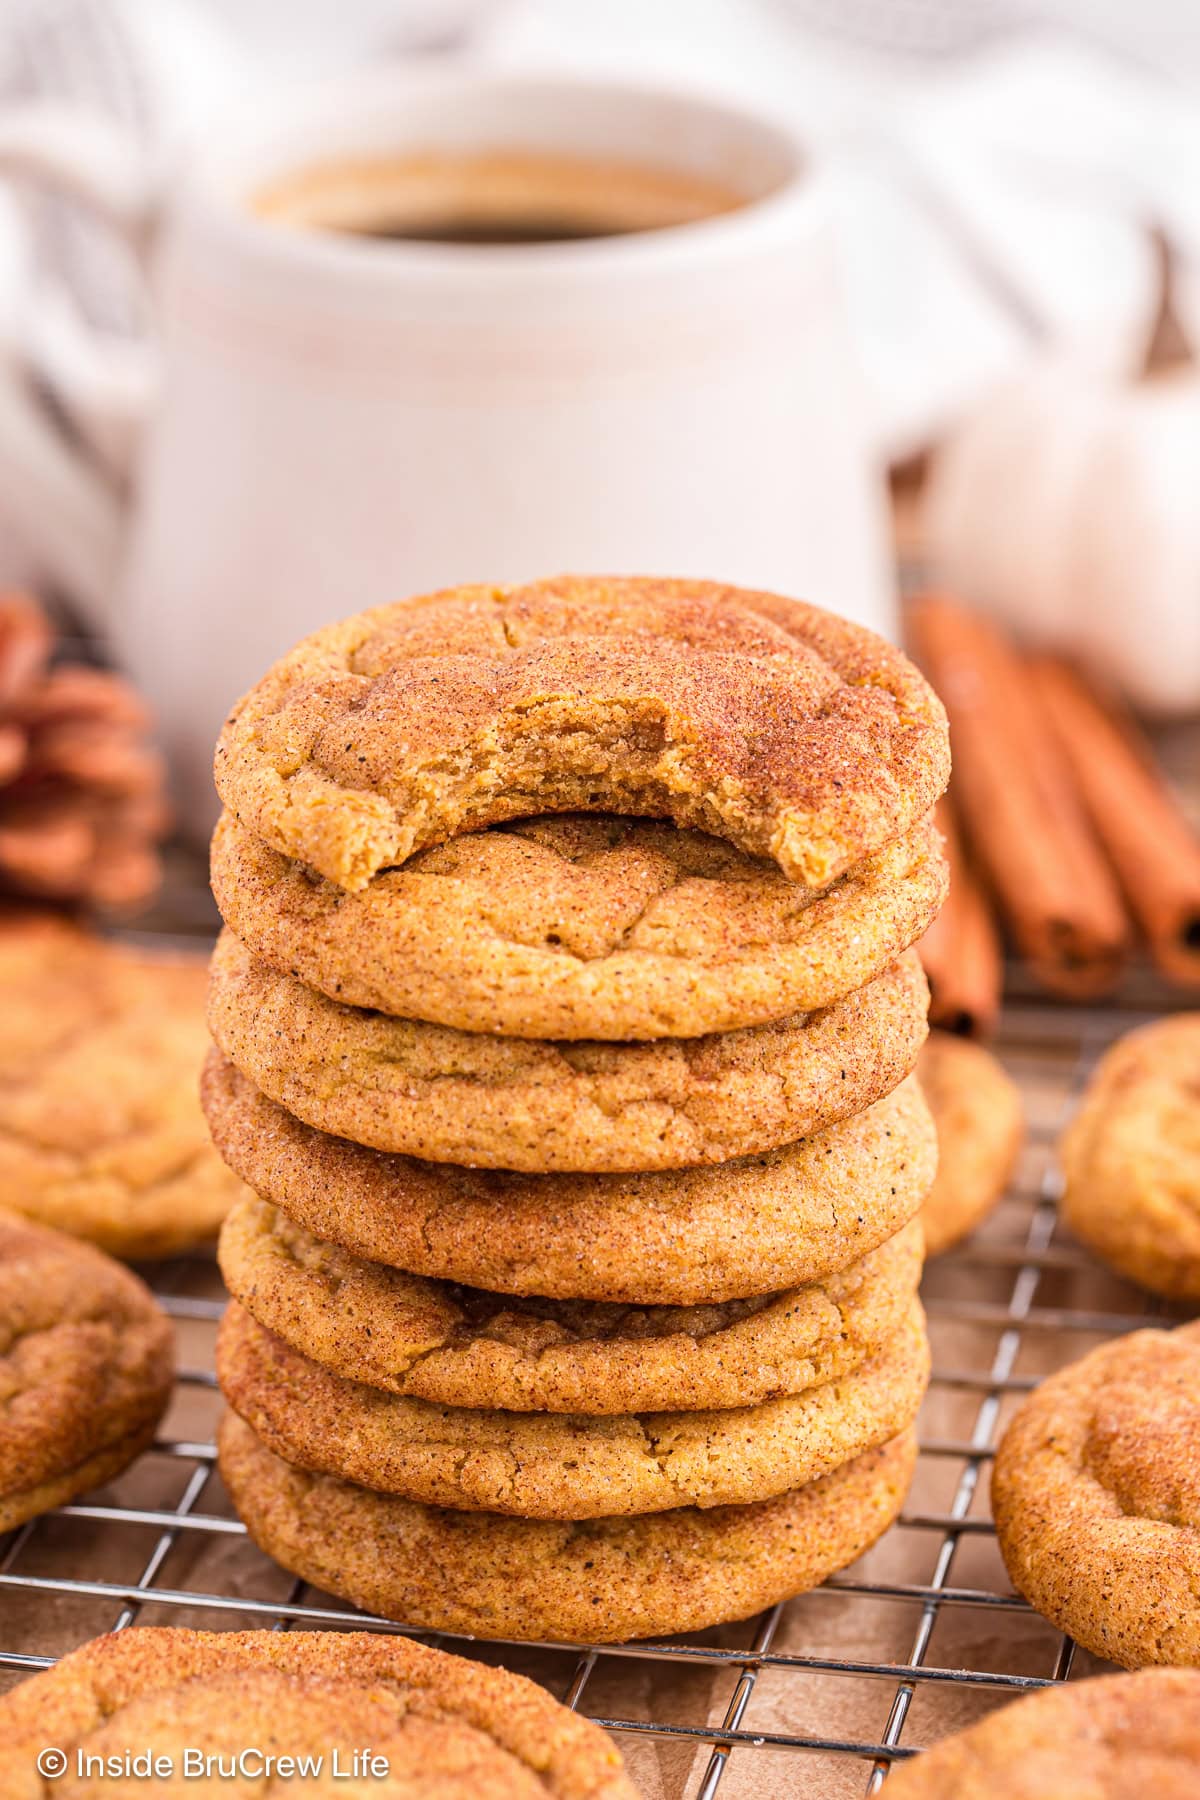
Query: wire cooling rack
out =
(815, 1697)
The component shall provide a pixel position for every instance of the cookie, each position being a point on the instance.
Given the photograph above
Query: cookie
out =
(101, 1134)
(430, 1723)
(564, 1465)
(790, 732)
(1096, 1494)
(456, 1346)
(976, 1107)
(1132, 1158)
(591, 1581)
(1119, 1737)
(538, 1106)
(680, 1238)
(85, 1368)
(581, 926)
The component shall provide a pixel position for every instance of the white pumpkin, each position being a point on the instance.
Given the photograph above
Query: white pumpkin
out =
(1068, 506)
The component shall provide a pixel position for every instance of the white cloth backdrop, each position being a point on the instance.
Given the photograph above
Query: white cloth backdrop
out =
(997, 164)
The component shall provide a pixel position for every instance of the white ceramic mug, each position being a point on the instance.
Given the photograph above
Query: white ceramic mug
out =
(340, 421)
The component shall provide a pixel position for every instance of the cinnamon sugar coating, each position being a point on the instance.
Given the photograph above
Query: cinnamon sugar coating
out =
(581, 926)
(85, 1368)
(1117, 1737)
(676, 1237)
(101, 1134)
(792, 733)
(456, 1346)
(538, 1465)
(1096, 1494)
(535, 1105)
(590, 1581)
(976, 1107)
(464, 1731)
(1132, 1158)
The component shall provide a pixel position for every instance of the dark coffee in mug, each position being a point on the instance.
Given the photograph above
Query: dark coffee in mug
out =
(499, 198)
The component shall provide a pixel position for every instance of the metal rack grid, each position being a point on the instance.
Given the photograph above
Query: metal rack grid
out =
(815, 1697)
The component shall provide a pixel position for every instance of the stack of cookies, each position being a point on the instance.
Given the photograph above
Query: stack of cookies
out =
(565, 1020)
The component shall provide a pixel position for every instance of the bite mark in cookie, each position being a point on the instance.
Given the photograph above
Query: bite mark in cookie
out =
(787, 730)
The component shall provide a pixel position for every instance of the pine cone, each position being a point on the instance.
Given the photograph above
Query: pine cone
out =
(82, 792)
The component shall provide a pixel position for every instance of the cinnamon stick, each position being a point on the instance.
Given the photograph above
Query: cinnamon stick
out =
(1153, 849)
(1018, 804)
(961, 949)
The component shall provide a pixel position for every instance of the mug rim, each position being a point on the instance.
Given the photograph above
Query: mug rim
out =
(216, 181)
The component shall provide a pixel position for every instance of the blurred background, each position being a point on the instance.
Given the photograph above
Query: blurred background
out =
(308, 305)
(996, 413)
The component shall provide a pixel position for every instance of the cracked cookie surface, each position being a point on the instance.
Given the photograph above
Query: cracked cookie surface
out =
(101, 1134)
(581, 926)
(457, 1346)
(86, 1362)
(1132, 1158)
(1121, 1737)
(564, 1465)
(538, 1106)
(675, 1238)
(976, 1108)
(1096, 1495)
(787, 730)
(596, 1581)
(463, 1731)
